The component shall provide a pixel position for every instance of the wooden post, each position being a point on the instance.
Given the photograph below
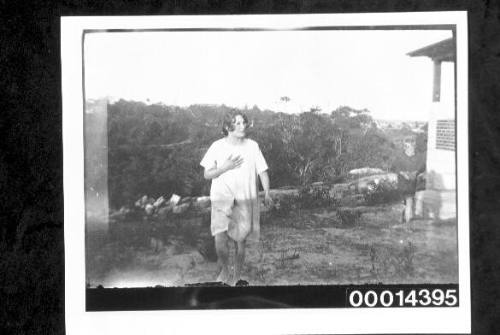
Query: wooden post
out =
(408, 211)
(436, 88)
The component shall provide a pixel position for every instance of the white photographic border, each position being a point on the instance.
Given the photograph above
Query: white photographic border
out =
(249, 321)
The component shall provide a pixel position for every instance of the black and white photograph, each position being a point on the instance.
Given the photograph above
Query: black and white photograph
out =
(267, 156)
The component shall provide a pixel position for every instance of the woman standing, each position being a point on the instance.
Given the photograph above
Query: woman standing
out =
(233, 163)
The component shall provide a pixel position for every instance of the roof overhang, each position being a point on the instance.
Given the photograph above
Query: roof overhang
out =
(443, 51)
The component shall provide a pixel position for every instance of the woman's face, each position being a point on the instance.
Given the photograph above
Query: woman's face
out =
(240, 127)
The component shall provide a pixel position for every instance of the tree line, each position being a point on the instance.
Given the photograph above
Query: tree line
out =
(156, 149)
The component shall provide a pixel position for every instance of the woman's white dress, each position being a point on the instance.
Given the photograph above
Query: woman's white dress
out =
(234, 194)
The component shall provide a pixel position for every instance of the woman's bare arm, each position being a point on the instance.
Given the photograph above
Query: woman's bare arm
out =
(213, 173)
(264, 179)
(229, 164)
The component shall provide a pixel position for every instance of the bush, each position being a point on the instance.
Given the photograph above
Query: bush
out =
(314, 197)
(283, 206)
(382, 193)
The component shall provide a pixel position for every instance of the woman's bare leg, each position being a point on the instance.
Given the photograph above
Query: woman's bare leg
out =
(239, 260)
(222, 251)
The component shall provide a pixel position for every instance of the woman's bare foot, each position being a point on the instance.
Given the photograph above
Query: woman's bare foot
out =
(223, 275)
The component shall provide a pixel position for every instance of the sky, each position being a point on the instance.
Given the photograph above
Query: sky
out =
(361, 69)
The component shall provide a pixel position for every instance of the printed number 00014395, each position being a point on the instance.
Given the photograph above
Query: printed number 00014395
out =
(404, 298)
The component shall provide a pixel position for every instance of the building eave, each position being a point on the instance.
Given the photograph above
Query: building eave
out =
(440, 51)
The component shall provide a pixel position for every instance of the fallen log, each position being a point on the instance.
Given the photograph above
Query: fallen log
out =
(373, 189)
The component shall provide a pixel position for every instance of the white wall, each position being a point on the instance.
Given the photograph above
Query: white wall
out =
(441, 164)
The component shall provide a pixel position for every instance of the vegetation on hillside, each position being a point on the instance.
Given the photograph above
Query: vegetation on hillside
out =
(156, 149)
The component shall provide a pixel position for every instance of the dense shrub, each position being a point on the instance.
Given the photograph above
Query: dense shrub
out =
(382, 193)
(314, 197)
(156, 149)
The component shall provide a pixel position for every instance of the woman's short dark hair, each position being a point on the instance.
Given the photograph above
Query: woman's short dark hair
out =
(230, 118)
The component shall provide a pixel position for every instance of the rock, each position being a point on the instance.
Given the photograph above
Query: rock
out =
(142, 202)
(149, 209)
(124, 210)
(186, 200)
(202, 202)
(181, 208)
(160, 201)
(365, 171)
(118, 215)
(174, 199)
(121, 213)
(409, 176)
(364, 185)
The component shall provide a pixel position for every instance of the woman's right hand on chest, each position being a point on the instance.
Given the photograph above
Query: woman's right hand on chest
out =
(231, 163)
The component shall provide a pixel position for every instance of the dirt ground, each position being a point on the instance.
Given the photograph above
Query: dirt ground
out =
(303, 247)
